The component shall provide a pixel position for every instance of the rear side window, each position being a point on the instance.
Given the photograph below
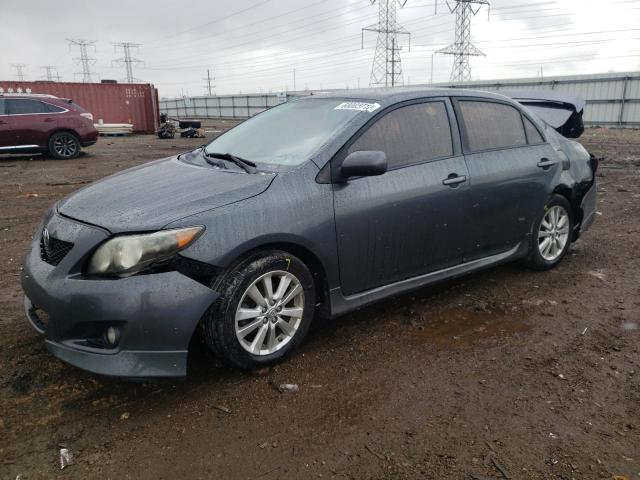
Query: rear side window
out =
(23, 106)
(410, 134)
(533, 135)
(491, 125)
(2, 107)
(53, 108)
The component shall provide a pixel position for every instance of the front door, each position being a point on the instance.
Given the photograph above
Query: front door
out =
(512, 168)
(405, 222)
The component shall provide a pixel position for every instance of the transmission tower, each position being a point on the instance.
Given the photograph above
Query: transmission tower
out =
(51, 73)
(128, 60)
(462, 48)
(83, 60)
(387, 67)
(209, 87)
(19, 70)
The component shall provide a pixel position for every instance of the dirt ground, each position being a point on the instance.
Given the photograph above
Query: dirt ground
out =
(507, 373)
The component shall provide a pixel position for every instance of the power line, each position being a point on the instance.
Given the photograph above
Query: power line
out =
(51, 73)
(83, 60)
(128, 60)
(19, 70)
(387, 66)
(462, 48)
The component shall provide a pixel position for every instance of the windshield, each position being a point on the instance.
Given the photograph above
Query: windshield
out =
(289, 133)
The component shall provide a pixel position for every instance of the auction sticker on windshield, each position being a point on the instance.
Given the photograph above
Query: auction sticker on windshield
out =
(360, 106)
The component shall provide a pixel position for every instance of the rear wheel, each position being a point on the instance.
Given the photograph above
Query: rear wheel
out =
(551, 237)
(265, 308)
(64, 145)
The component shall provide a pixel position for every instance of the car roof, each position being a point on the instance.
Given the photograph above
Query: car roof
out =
(27, 95)
(389, 96)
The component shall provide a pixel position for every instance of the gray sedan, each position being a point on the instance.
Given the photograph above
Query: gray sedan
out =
(310, 209)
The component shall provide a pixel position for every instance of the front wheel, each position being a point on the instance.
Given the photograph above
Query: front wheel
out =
(265, 308)
(64, 146)
(551, 237)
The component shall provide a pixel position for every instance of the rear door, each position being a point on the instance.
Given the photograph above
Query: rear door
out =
(407, 221)
(32, 121)
(512, 170)
(6, 136)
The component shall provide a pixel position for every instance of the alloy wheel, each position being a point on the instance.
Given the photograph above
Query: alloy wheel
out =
(554, 233)
(65, 146)
(269, 313)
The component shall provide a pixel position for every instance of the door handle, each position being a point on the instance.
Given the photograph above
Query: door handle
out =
(453, 180)
(49, 119)
(2, 122)
(546, 163)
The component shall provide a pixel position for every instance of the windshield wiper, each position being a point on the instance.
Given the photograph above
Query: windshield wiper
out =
(247, 165)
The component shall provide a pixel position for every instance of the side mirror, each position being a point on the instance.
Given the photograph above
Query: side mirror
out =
(364, 163)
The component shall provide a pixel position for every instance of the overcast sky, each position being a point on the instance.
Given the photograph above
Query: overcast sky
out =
(255, 45)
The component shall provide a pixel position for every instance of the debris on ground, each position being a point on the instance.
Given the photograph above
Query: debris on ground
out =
(66, 458)
(124, 416)
(288, 387)
(222, 408)
(599, 275)
(192, 133)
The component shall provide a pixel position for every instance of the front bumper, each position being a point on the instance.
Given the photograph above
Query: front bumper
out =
(156, 314)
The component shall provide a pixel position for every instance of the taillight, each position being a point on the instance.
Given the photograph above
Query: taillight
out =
(87, 115)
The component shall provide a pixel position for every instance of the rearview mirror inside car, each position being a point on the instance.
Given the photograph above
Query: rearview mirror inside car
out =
(364, 163)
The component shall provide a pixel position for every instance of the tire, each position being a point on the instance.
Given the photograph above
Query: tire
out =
(64, 146)
(237, 343)
(545, 257)
(190, 124)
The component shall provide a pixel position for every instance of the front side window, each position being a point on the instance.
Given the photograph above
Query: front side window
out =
(291, 133)
(411, 134)
(24, 106)
(2, 107)
(491, 125)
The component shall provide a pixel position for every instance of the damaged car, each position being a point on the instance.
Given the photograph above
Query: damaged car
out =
(313, 208)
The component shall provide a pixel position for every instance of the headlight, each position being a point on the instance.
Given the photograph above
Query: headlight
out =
(126, 255)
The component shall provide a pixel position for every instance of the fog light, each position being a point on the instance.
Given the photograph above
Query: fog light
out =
(113, 334)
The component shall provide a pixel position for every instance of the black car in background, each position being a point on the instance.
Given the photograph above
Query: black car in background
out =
(312, 208)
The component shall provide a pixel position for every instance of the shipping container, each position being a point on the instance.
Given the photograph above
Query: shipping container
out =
(135, 103)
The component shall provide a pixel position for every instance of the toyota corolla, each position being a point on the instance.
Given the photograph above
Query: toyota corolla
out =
(310, 209)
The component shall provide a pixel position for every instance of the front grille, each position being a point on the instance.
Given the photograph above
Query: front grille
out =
(54, 250)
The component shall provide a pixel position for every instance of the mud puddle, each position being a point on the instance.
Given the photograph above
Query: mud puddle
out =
(463, 328)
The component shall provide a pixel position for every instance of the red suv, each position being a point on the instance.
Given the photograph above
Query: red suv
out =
(44, 123)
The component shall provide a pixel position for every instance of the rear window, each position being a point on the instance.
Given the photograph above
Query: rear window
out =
(24, 106)
(491, 125)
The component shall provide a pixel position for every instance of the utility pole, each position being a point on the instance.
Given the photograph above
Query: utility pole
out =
(84, 60)
(462, 48)
(128, 60)
(431, 72)
(209, 87)
(19, 70)
(294, 79)
(386, 69)
(51, 73)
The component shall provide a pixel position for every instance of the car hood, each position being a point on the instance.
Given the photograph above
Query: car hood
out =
(150, 196)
